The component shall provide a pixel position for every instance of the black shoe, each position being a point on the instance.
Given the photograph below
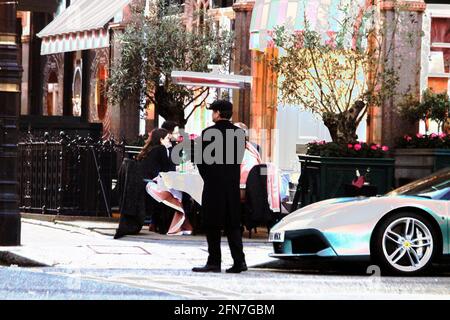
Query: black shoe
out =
(237, 268)
(119, 234)
(207, 268)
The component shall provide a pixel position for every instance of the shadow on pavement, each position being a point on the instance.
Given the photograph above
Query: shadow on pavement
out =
(336, 267)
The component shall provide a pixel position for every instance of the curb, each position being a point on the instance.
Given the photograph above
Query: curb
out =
(52, 218)
(9, 258)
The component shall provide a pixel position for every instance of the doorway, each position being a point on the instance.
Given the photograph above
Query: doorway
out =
(52, 94)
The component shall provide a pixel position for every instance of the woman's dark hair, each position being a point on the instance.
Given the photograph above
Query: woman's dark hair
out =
(154, 140)
(169, 125)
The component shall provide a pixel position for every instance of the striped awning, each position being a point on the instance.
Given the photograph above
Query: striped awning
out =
(81, 26)
(322, 15)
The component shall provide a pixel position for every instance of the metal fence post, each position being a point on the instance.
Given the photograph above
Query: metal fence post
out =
(10, 79)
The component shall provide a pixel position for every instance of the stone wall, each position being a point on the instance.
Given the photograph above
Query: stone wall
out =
(403, 54)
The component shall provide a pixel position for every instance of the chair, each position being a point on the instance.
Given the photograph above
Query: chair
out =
(257, 210)
(131, 189)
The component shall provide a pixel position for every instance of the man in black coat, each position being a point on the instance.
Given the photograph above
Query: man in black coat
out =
(222, 150)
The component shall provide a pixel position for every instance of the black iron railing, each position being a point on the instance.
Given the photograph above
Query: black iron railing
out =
(67, 175)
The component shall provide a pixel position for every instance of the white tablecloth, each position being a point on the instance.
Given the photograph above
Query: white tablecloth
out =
(189, 182)
(192, 183)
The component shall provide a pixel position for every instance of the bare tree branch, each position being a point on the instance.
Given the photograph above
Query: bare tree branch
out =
(196, 97)
(198, 105)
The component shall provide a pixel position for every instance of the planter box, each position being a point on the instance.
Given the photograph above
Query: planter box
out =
(325, 178)
(412, 164)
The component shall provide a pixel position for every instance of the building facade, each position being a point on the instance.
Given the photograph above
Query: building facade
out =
(67, 52)
(66, 64)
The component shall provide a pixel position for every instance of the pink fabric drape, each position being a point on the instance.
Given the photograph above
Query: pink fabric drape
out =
(273, 187)
(440, 30)
(251, 159)
(440, 33)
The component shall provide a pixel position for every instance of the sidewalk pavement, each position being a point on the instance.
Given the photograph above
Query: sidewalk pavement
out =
(88, 243)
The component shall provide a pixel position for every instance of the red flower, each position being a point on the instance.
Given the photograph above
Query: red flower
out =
(419, 135)
(331, 34)
(299, 39)
(385, 148)
(442, 135)
(374, 147)
(433, 135)
(350, 146)
(358, 147)
(331, 44)
(332, 41)
(407, 138)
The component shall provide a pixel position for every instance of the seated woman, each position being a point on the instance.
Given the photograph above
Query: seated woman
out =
(155, 154)
(154, 159)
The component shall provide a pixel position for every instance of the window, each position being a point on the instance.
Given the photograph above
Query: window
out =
(439, 54)
(76, 89)
(222, 3)
(100, 92)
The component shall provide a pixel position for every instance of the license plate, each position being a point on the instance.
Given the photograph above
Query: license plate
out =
(276, 237)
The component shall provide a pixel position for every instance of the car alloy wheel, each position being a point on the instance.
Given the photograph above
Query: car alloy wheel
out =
(407, 245)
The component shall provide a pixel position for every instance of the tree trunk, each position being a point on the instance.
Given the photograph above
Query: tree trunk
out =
(342, 126)
(168, 107)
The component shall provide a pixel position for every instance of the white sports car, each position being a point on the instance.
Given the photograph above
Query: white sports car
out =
(403, 232)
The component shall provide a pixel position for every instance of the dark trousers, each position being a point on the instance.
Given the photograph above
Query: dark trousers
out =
(234, 235)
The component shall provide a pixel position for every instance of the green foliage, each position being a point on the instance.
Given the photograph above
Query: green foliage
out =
(410, 108)
(438, 105)
(434, 106)
(155, 45)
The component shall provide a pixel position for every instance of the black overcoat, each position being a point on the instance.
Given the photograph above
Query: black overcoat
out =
(157, 160)
(221, 195)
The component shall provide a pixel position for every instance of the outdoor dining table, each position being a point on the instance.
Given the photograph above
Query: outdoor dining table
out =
(192, 183)
(189, 182)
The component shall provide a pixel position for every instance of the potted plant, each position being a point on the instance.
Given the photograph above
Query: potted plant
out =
(419, 155)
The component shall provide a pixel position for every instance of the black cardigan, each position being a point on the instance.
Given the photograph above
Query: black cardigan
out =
(156, 161)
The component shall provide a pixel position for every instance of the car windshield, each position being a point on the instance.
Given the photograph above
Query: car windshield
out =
(435, 186)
